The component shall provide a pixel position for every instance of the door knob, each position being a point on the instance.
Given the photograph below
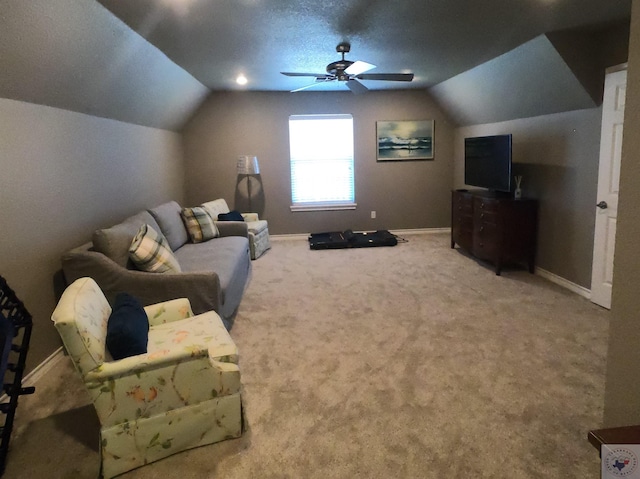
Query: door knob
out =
(602, 205)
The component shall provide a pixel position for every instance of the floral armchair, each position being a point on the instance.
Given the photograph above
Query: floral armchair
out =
(183, 393)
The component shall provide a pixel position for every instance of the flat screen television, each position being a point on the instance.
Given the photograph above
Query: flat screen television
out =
(487, 162)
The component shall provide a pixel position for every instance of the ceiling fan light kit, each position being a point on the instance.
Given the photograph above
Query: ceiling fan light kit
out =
(349, 72)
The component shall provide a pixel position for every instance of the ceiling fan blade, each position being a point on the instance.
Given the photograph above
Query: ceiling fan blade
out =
(356, 68)
(386, 76)
(310, 86)
(317, 75)
(356, 87)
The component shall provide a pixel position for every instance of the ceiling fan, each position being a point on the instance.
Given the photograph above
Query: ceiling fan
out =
(349, 72)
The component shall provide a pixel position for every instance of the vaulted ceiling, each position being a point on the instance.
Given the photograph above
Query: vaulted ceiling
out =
(152, 62)
(217, 40)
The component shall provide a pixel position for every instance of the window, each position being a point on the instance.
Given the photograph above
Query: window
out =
(321, 149)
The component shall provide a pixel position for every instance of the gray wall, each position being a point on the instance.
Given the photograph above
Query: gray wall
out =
(531, 80)
(77, 56)
(589, 52)
(553, 73)
(558, 156)
(622, 391)
(65, 174)
(412, 194)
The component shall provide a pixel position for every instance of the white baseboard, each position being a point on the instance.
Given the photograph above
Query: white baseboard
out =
(39, 372)
(43, 368)
(565, 283)
(421, 231)
(554, 278)
(298, 236)
(305, 236)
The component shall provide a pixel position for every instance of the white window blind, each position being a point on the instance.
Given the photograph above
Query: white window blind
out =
(321, 152)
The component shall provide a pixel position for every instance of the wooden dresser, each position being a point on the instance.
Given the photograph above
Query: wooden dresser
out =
(493, 228)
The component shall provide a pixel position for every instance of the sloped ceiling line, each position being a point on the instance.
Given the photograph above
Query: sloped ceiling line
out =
(78, 56)
(552, 73)
(82, 56)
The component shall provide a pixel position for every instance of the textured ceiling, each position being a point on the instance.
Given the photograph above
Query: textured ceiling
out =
(216, 40)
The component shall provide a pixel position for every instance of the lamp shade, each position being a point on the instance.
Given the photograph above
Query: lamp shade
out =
(248, 165)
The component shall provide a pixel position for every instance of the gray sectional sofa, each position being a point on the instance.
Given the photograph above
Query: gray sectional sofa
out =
(214, 273)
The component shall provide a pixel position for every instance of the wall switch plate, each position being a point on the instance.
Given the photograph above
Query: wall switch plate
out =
(373, 215)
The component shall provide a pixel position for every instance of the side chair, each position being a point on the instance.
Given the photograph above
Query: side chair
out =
(184, 392)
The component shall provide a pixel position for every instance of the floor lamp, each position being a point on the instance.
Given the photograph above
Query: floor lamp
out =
(248, 165)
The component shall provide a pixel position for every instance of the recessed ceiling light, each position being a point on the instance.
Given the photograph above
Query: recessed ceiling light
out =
(241, 80)
(181, 7)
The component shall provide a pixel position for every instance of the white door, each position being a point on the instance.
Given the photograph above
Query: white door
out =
(608, 179)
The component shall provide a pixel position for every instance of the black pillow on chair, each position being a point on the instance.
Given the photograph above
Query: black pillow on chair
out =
(127, 328)
(230, 216)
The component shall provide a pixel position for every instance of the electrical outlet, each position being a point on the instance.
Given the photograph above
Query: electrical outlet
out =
(373, 215)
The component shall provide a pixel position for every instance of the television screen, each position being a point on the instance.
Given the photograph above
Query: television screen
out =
(487, 162)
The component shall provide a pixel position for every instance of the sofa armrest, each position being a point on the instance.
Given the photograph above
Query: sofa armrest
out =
(233, 228)
(250, 217)
(201, 288)
(168, 311)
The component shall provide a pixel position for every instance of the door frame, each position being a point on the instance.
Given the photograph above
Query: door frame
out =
(604, 238)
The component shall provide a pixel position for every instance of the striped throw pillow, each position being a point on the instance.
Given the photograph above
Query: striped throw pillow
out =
(199, 224)
(150, 252)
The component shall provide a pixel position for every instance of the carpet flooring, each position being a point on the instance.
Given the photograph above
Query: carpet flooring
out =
(413, 361)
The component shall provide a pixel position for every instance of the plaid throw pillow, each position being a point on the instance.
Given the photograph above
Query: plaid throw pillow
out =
(150, 252)
(199, 224)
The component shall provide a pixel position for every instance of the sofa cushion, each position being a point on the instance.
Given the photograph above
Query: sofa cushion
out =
(200, 225)
(114, 242)
(228, 256)
(168, 218)
(230, 216)
(216, 207)
(150, 252)
(127, 328)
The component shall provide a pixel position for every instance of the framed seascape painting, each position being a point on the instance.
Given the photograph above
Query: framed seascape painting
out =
(405, 140)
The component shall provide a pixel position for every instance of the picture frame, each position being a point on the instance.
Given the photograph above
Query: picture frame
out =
(405, 140)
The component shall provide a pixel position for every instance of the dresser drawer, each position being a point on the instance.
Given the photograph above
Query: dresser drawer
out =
(481, 218)
(494, 227)
(462, 204)
(486, 243)
(486, 205)
(486, 232)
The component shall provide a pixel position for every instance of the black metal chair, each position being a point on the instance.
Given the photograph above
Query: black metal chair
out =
(15, 334)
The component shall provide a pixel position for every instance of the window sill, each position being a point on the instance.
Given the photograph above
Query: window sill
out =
(320, 207)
